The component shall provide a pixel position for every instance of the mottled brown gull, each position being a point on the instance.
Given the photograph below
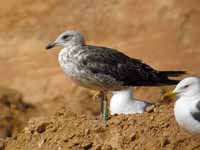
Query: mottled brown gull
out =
(105, 69)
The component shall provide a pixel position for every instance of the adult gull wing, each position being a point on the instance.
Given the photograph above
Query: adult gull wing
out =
(196, 114)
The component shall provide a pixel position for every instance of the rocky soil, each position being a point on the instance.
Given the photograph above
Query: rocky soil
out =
(154, 130)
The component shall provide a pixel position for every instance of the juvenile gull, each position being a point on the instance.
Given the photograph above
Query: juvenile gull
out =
(105, 69)
(123, 102)
(187, 106)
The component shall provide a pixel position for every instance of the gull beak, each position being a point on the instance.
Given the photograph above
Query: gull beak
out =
(51, 45)
(170, 95)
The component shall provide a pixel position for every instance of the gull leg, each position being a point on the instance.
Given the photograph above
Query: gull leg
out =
(96, 95)
(99, 96)
(104, 108)
(102, 103)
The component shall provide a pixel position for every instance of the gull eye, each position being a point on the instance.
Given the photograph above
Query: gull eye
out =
(65, 37)
(186, 86)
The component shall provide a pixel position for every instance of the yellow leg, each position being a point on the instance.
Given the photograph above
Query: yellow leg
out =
(97, 95)
(101, 95)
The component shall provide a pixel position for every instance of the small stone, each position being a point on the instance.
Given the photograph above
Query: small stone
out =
(15, 137)
(98, 129)
(164, 142)
(164, 125)
(150, 108)
(42, 128)
(98, 147)
(156, 109)
(83, 116)
(132, 137)
(87, 145)
(165, 134)
(107, 147)
(76, 124)
(27, 131)
(76, 142)
(66, 139)
(136, 148)
(59, 148)
(71, 135)
(151, 118)
(2, 144)
(54, 128)
(59, 114)
(87, 131)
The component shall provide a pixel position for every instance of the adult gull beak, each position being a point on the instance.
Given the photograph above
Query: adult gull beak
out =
(170, 95)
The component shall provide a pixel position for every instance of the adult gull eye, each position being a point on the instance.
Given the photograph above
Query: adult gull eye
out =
(186, 86)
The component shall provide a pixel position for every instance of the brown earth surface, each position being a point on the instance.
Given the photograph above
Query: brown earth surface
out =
(155, 130)
(162, 33)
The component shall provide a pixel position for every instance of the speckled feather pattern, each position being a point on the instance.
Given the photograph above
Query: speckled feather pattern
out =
(104, 67)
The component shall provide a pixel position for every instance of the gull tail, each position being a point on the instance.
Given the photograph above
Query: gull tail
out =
(165, 77)
(172, 73)
(168, 82)
(161, 78)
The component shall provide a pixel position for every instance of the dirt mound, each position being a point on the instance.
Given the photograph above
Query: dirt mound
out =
(65, 130)
(14, 112)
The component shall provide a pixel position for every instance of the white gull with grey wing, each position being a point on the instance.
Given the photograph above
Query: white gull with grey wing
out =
(187, 106)
(123, 102)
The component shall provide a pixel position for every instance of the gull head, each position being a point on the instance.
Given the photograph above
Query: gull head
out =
(68, 38)
(187, 87)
